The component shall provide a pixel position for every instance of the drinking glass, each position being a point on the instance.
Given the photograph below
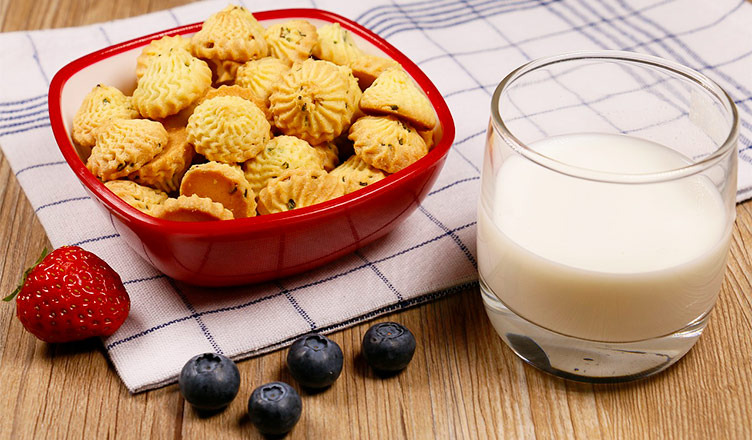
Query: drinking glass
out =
(607, 202)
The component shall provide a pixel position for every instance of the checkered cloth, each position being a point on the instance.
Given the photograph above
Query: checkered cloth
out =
(465, 47)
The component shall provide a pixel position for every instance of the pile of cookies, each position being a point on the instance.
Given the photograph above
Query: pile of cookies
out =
(239, 120)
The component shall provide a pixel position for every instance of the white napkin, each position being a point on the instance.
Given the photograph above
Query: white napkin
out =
(465, 47)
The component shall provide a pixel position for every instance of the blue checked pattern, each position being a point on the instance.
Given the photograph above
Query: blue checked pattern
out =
(465, 47)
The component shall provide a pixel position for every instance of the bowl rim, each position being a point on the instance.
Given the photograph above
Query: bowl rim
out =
(227, 228)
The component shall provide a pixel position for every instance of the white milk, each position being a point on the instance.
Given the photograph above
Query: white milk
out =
(606, 262)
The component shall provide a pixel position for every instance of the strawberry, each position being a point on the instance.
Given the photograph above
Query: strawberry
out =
(69, 295)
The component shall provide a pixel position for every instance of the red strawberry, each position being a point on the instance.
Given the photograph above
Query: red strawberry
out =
(69, 295)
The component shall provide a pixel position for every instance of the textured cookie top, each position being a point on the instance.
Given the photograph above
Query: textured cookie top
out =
(280, 154)
(125, 145)
(292, 41)
(261, 75)
(223, 184)
(143, 198)
(356, 174)
(159, 47)
(297, 189)
(329, 154)
(386, 142)
(101, 104)
(170, 83)
(336, 45)
(368, 67)
(231, 34)
(241, 92)
(168, 167)
(395, 93)
(313, 101)
(192, 209)
(228, 129)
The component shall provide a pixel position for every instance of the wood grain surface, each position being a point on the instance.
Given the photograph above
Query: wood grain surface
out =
(463, 383)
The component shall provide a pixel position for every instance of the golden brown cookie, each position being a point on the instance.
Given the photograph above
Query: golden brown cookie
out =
(313, 102)
(261, 75)
(356, 174)
(223, 71)
(165, 171)
(368, 67)
(143, 198)
(280, 154)
(101, 104)
(329, 154)
(125, 145)
(241, 92)
(297, 189)
(335, 44)
(228, 129)
(427, 136)
(171, 82)
(157, 48)
(231, 34)
(192, 209)
(386, 143)
(292, 41)
(223, 184)
(395, 93)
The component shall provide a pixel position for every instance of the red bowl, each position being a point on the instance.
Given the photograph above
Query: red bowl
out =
(253, 249)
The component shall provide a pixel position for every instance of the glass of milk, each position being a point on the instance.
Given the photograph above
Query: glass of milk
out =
(607, 201)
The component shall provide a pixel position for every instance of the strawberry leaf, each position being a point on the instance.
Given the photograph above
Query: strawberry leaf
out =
(26, 275)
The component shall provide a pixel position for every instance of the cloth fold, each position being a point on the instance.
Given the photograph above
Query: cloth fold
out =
(465, 47)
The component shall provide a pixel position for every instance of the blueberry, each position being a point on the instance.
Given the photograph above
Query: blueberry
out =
(209, 381)
(315, 361)
(274, 408)
(388, 346)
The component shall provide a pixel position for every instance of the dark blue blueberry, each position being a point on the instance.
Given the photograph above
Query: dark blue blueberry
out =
(388, 346)
(315, 361)
(274, 408)
(209, 381)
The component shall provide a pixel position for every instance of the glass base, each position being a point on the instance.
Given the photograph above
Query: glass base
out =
(585, 360)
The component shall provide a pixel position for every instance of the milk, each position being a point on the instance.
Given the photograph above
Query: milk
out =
(603, 261)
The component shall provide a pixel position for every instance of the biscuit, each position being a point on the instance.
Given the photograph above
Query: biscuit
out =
(356, 174)
(297, 189)
(228, 129)
(101, 104)
(223, 184)
(125, 145)
(280, 154)
(336, 45)
(192, 209)
(143, 198)
(292, 41)
(168, 167)
(312, 101)
(261, 75)
(368, 67)
(223, 71)
(427, 136)
(231, 34)
(329, 154)
(394, 93)
(242, 92)
(386, 143)
(158, 47)
(171, 82)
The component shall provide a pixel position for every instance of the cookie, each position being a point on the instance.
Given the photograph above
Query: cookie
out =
(280, 154)
(427, 136)
(292, 41)
(368, 67)
(158, 47)
(312, 101)
(171, 82)
(231, 34)
(386, 143)
(125, 145)
(356, 174)
(329, 155)
(228, 129)
(242, 92)
(223, 71)
(261, 75)
(297, 189)
(223, 184)
(143, 198)
(192, 209)
(165, 171)
(101, 104)
(394, 93)
(335, 44)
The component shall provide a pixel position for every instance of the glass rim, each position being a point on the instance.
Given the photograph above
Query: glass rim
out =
(612, 177)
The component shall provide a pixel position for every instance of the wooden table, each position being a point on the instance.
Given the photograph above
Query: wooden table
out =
(463, 382)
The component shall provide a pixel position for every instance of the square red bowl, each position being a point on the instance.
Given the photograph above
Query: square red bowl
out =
(261, 248)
